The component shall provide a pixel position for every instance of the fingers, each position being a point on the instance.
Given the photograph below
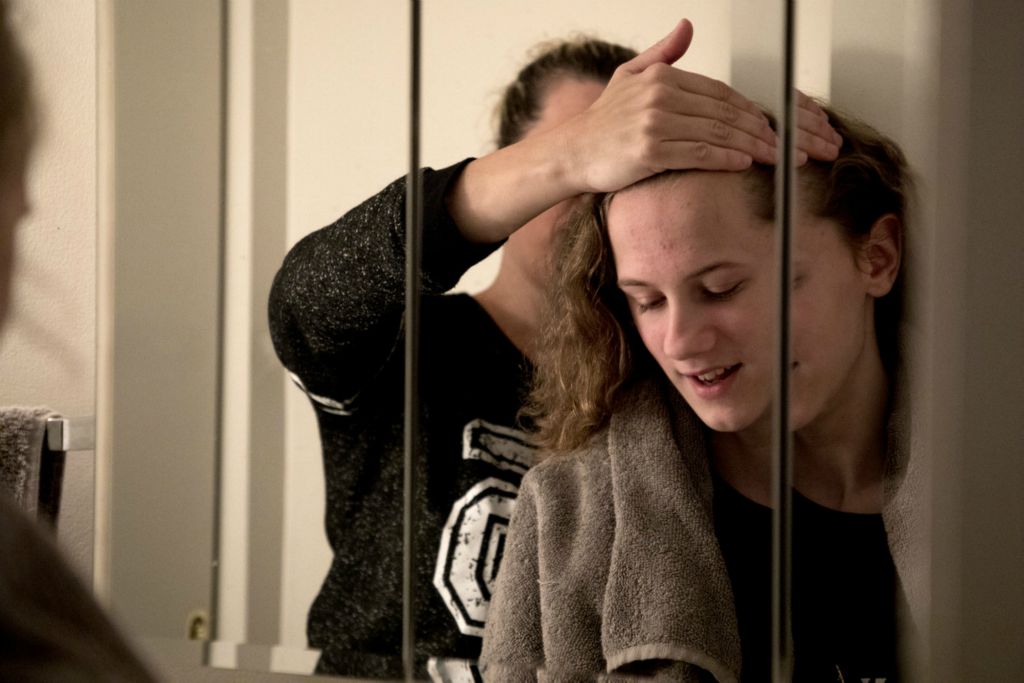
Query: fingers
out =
(665, 51)
(692, 121)
(814, 147)
(815, 136)
(747, 126)
(715, 132)
(702, 155)
(805, 101)
(697, 84)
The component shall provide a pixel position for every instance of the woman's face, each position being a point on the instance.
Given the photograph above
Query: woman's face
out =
(697, 269)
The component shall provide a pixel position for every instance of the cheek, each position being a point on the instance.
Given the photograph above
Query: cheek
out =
(746, 329)
(651, 332)
(810, 328)
(826, 326)
(754, 322)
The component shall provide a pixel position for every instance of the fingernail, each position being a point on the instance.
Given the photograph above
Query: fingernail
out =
(801, 157)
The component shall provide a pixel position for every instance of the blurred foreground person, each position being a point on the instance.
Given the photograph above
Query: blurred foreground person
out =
(51, 628)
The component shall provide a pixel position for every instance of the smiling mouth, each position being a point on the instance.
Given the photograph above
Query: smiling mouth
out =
(713, 377)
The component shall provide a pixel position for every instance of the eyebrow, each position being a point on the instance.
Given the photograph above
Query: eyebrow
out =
(631, 282)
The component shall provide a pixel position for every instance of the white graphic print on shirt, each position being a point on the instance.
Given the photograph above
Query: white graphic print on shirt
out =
(473, 539)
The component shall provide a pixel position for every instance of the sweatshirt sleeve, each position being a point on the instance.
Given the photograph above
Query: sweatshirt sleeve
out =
(513, 648)
(336, 306)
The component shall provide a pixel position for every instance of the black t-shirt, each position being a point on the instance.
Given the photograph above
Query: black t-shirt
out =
(472, 459)
(845, 590)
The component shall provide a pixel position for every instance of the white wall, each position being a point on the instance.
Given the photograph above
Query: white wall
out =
(47, 352)
(974, 318)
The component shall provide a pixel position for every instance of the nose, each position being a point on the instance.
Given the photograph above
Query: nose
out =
(690, 333)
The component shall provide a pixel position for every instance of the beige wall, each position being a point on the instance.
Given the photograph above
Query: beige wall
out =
(159, 310)
(47, 351)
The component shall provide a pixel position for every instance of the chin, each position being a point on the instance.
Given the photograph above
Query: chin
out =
(800, 417)
(723, 420)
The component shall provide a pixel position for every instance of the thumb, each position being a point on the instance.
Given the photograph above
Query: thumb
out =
(667, 50)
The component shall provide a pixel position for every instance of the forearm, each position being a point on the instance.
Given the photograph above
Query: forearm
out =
(498, 193)
(336, 305)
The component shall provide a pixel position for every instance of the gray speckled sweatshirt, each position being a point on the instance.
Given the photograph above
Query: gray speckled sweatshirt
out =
(336, 321)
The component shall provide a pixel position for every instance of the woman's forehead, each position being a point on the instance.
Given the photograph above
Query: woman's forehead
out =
(688, 212)
(696, 190)
(670, 229)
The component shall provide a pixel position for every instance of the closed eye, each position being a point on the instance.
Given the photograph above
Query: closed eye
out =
(644, 306)
(721, 295)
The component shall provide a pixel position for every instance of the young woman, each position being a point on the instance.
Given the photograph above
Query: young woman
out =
(643, 546)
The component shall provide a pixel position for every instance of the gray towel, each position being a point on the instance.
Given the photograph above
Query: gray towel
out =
(22, 430)
(668, 595)
(612, 569)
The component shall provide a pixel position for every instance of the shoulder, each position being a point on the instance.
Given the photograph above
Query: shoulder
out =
(569, 524)
(585, 462)
(573, 481)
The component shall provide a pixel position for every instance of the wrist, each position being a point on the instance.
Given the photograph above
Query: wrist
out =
(498, 193)
(567, 160)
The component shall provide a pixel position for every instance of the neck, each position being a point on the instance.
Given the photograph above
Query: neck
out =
(514, 302)
(839, 456)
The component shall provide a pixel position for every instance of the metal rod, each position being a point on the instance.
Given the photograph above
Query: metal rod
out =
(414, 238)
(217, 534)
(782, 452)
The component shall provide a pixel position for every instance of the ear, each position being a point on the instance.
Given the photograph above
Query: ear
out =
(881, 255)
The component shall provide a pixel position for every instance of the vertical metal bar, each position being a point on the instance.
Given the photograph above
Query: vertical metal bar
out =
(782, 452)
(414, 239)
(218, 424)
